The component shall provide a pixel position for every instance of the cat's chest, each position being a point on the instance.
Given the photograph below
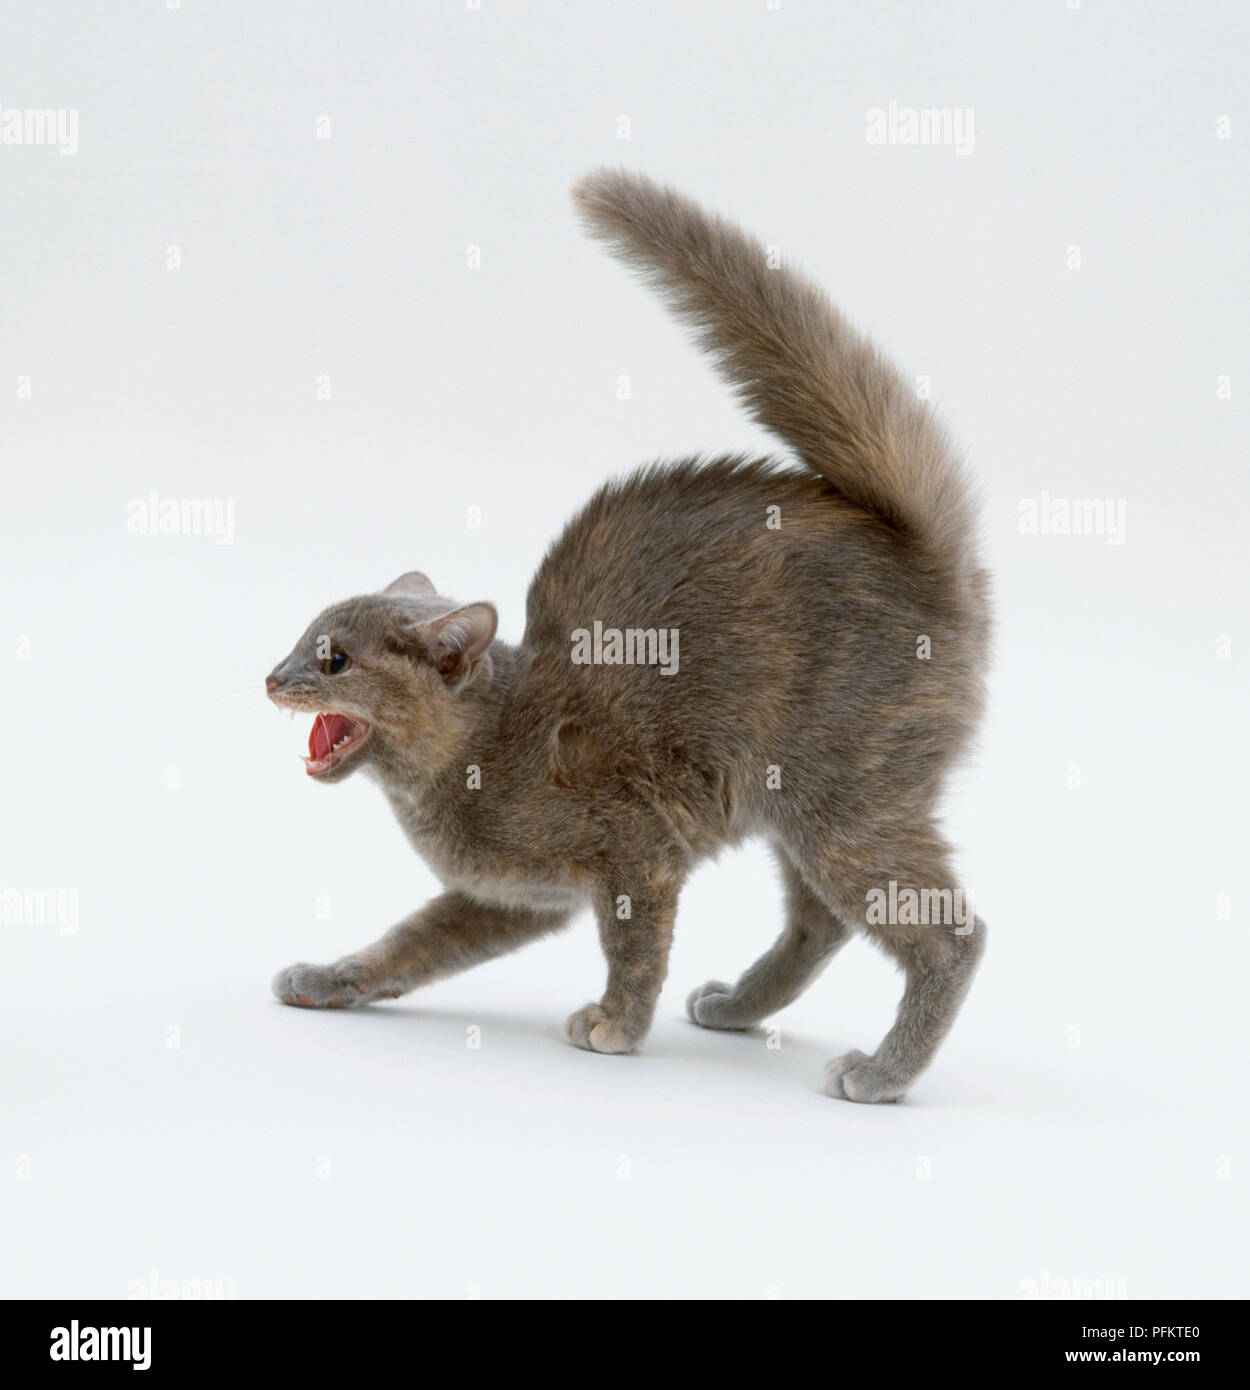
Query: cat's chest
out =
(463, 863)
(490, 879)
(508, 890)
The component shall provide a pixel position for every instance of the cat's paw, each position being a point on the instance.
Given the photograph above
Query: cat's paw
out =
(713, 1006)
(593, 1029)
(857, 1077)
(341, 986)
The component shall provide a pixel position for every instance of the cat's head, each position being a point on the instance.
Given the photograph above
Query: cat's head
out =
(391, 678)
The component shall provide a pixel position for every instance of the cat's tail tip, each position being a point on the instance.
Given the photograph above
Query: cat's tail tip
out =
(601, 195)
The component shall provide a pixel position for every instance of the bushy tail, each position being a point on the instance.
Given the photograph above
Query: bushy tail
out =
(802, 370)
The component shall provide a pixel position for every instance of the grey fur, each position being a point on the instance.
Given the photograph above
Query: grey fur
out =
(802, 709)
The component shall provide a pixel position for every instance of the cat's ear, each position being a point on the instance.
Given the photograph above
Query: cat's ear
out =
(414, 584)
(455, 644)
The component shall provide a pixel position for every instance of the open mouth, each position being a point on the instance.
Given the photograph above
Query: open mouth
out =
(333, 739)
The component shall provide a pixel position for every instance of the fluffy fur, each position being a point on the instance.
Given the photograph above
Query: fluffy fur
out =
(833, 633)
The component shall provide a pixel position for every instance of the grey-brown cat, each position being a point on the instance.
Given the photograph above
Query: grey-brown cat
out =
(712, 651)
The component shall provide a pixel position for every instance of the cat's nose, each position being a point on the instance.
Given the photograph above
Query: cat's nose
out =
(272, 684)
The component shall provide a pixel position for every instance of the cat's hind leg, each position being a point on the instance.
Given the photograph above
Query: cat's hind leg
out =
(910, 906)
(812, 934)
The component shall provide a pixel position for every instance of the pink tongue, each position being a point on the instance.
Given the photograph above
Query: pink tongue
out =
(327, 729)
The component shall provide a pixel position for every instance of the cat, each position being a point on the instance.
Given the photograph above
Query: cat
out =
(833, 627)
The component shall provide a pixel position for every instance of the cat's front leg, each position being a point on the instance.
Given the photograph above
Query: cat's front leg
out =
(344, 985)
(636, 914)
(448, 935)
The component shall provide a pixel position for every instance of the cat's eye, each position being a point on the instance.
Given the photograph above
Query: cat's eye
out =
(336, 663)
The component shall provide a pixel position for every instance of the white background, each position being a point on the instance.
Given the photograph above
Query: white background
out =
(1087, 1118)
